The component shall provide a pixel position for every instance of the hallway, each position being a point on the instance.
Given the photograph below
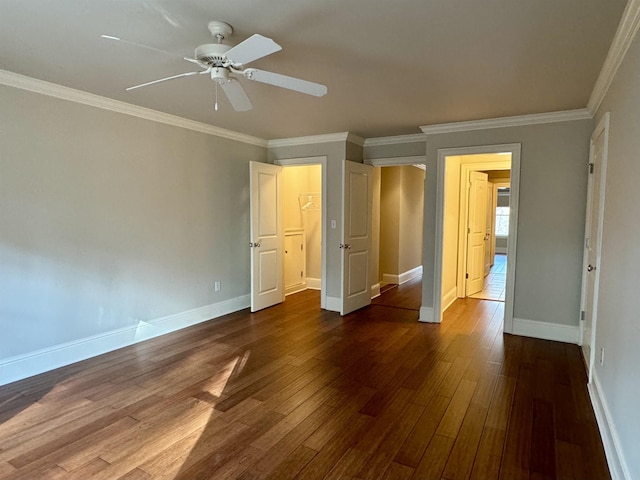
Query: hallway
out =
(495, 283)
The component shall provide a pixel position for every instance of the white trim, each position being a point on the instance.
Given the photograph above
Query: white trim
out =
(610, 439)
(375, 290)
(309, 140)
(519, 120)
(40, 361)
(449, 297)
(443, 153)
(404, 277)
(322, 161)
(622, 40)
(333, 304)
(546, 330)
(426, 315)
(390, 278)
(290, 290)
(394, 161)
(65, 93)
(399, 139)
(314, 283)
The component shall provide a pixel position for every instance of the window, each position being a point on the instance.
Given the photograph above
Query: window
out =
(502, 221)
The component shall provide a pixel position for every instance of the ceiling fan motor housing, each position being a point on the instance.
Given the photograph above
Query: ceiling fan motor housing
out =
(213, 54)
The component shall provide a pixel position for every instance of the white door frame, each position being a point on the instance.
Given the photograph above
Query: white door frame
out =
(322, 161)
(514, 149)
(601, 129)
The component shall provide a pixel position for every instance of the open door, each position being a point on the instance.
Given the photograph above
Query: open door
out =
(476, 231)
(267, 236)
(593, 242)
(488, 236)
(357, 203)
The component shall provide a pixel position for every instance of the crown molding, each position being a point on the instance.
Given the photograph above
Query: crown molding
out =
(625, 34)
(414, 138)
(516, 121)
(23, 82)
(309, 140)
(397, 161)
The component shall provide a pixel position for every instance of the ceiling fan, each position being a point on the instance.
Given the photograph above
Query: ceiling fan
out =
(225, 64)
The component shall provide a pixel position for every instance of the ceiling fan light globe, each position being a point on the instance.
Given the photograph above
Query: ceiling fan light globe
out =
(219, 74)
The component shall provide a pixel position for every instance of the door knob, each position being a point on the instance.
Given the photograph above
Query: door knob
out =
(590, 268)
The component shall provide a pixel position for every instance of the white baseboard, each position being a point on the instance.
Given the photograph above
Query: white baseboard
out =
(615, 458)
(295, 288)
(546, 330)
(403, 277)
(449, 297)
(40, 361)
(333, 304)
(426, 315)
(314, 283)
(375, 290)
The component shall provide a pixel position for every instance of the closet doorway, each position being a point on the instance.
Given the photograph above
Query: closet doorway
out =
(304, 220)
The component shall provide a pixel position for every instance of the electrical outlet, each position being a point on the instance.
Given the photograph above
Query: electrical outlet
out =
(217, 286)
(601, 355)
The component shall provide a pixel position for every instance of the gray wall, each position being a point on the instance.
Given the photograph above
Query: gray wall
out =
(553, 180)
(395, 150)
(618, 326)
(109, 220)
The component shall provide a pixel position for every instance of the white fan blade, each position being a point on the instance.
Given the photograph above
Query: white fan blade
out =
(236, 95)
(284, 81)
(153, 49)
(188, 74)
(253, 48)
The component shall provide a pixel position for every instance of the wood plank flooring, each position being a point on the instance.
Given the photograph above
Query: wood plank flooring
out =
(294, 392)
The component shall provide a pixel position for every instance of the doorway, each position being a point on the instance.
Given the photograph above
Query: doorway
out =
(452, 260)
(493, 286)
(304, 218)
(401, 215)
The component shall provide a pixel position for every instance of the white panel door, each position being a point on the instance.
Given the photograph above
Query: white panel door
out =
(592, 243)
(357, 201)
(267, 236)
(477, 211)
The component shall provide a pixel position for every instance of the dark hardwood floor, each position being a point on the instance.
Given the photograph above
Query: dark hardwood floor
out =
(297, 392)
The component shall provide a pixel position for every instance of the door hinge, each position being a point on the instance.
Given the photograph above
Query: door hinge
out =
(301, 273)
(591, 165)
(301, 248)
(582, 315)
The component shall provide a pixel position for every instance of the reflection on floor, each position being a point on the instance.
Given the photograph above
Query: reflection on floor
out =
(494, 283)
(407, 296)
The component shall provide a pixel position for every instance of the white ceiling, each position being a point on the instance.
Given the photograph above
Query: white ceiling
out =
(390, 66)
